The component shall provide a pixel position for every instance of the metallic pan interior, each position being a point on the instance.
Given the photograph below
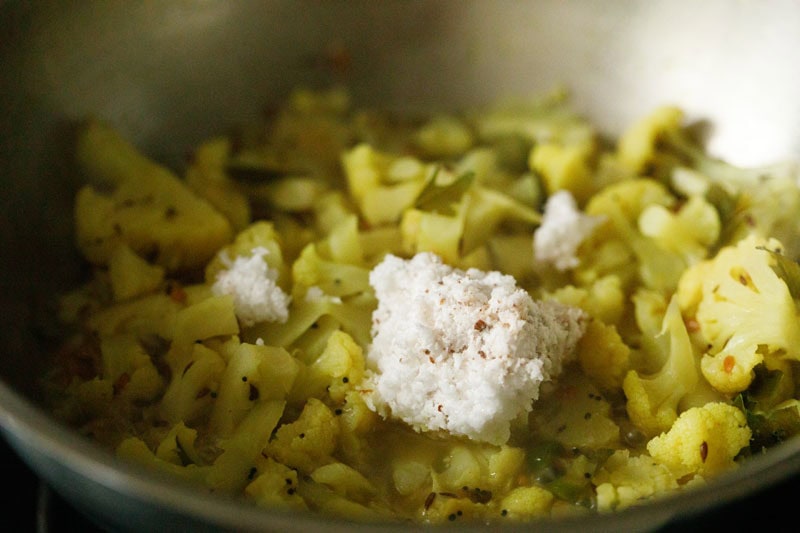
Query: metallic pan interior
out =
(169, 74)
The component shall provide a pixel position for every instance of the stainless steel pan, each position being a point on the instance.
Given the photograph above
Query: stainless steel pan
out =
(169, 74)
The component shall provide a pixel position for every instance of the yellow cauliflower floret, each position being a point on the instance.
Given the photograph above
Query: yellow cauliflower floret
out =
(637, 146)
(135, 450)
(308, 442)
(603, 356)
(444, 136)
(653, 399)
(744, 310)
(689, 232)
(619, 247)
(207, 177)
(275, 485)
(576, 415)
(423, 231)
(341, 365)
(704, 440)
(383, 185)
(130, 275)
(626, 480)
(603, 298)
(311, 269)
(565, 167)
(178, 447)
(136, 201)
(527, 502)
(346, 481)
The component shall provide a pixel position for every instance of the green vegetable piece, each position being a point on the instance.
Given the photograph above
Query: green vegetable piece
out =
(574, 492)
(771, 420)
(441, 198)
(786, 269)
(544, 455)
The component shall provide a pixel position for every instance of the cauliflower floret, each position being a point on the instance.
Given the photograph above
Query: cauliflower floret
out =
(603, 298)
(618, 246)
(381, 196)
(275, 486)
(444, 136)
(744, 310)
(637, 148)
(308, 442)
(626, 480)
(462, 351)
(565, 166)
(253, 286)
(653, 399)
(704, 440)
(689, 232)
(603, 355)
(312, 269)
(527, 502)
(564, 227)
(138, 202)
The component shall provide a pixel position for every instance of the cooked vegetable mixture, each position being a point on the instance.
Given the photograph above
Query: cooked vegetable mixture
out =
(495, 315)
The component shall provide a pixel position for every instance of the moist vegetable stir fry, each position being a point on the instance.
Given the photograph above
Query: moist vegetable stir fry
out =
(495, 315)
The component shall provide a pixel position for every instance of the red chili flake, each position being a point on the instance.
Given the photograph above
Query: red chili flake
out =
(439, 408)
(187, 367)
(205, 391)
(728, 363)
(480, 325)
(703, 451)
(82, 361)
(176, 293)
(337, 58)
(120, 382)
